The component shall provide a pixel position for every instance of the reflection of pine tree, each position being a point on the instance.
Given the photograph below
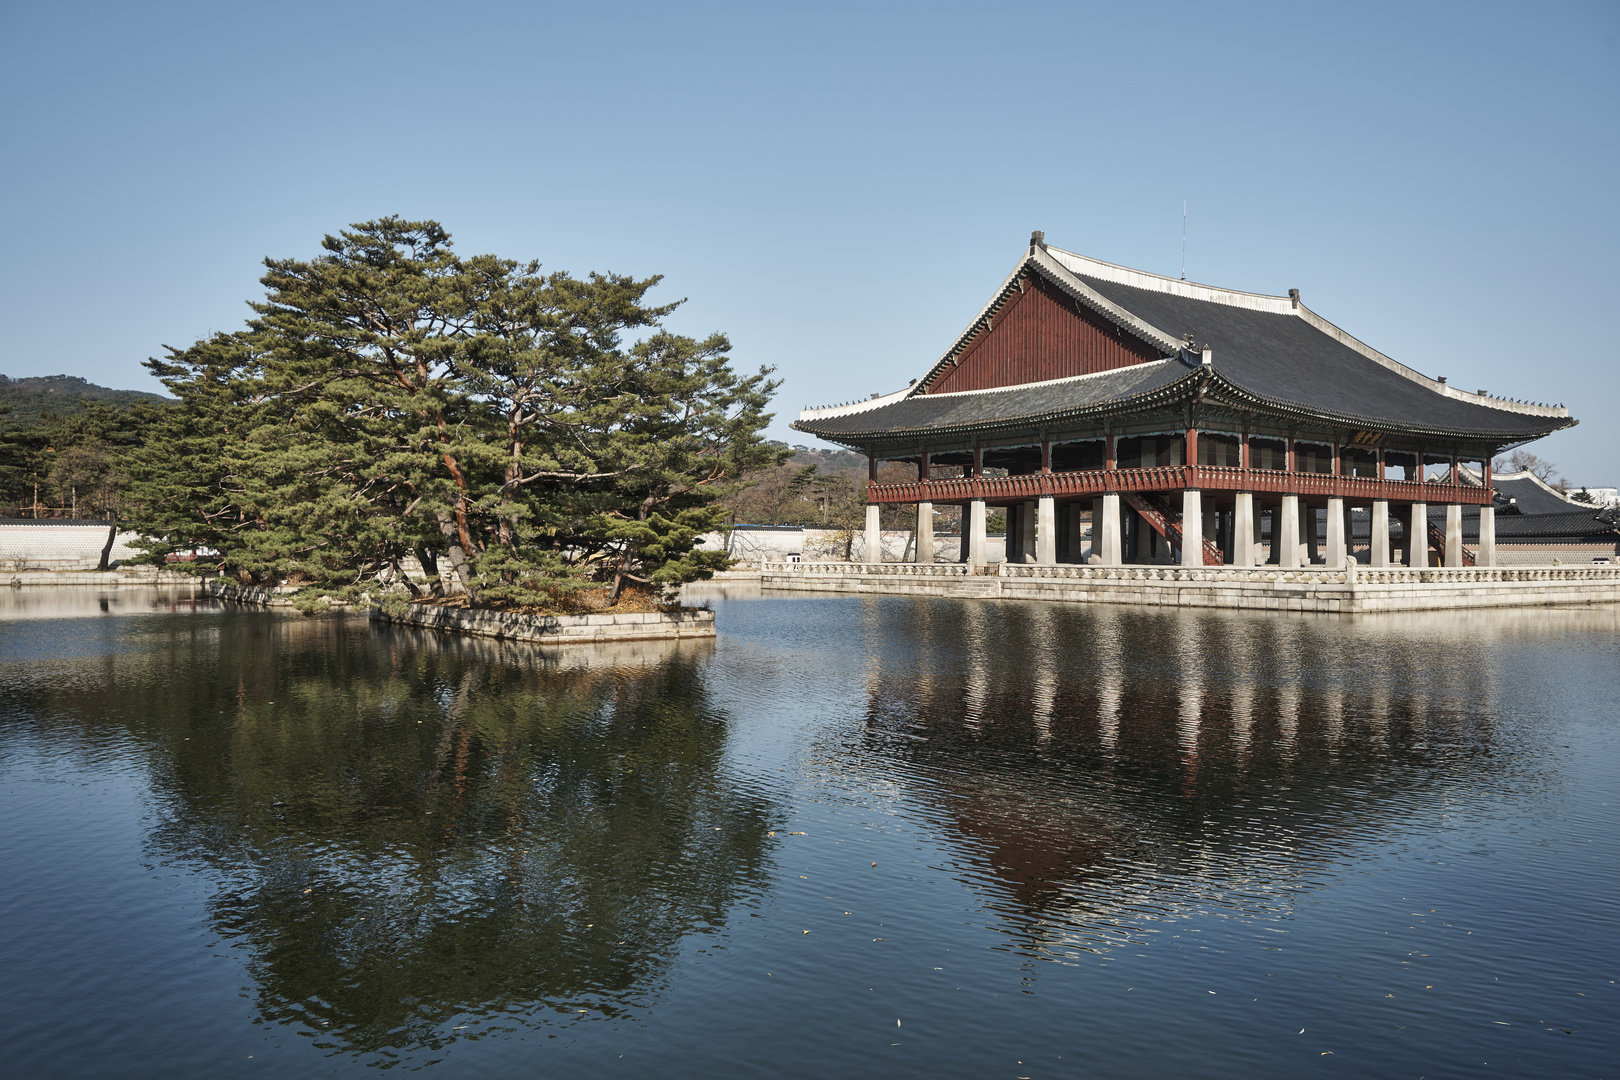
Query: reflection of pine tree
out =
(408, 830)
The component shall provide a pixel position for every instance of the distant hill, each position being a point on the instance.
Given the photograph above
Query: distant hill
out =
(30, 398)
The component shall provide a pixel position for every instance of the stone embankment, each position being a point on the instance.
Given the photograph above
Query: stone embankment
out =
(509, 626)
(1323, 589)
(135, 575)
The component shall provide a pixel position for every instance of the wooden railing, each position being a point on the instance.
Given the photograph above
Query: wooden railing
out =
(1007, 489)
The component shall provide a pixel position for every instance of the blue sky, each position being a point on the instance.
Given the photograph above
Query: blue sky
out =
(838, 187)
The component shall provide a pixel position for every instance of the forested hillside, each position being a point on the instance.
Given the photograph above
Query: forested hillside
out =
(27, 400)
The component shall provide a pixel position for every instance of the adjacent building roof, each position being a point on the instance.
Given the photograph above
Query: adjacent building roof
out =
(1263, 351)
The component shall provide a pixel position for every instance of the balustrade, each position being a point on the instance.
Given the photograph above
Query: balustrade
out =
(1172, 478)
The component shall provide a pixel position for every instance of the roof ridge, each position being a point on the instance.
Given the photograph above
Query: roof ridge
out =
(1191, 290)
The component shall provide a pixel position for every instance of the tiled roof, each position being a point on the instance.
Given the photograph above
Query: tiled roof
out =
(977, 409)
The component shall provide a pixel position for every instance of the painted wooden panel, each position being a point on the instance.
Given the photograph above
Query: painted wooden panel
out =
(1040, 334)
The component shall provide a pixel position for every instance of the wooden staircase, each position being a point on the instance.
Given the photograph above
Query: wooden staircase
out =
(1167, 523)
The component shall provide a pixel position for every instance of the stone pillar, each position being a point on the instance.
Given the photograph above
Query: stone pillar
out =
(925, 533)
(1338, 547)
(1257, 537)
(1046, 531)
(1454, 545)
(973, 530)
(1379, 548)
(1105, 532)
(874, 534)
(1243, 530)
(1417, 537)
(1311, 532)
(1287, 544)
(1026, 531)
(1486, 555)
(1192, 527)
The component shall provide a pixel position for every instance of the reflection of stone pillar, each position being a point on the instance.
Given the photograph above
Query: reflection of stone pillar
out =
(973, 526)
(1192, 527)
(1046, 531)
(1486, 555)
(1026, 531)
(1379, 552)
(925, 532)
(1287, 544)
(1454, 549)
(1417, 537)
(1338, 551)
(874, 534)
(1112, 544)
(1243, 530)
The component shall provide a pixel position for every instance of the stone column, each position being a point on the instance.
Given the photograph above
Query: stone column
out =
(1310, 532)
(1105, 532)
(874, 534)
(1417, 537)
(1243, 529)
(1486, 555)
(1287, 543)
(1338, 547)
(1192, 527)
(973, 530)
(1046, 531)
(1379, 548)
(1454, 547)
(1026, 531)
(925, 533)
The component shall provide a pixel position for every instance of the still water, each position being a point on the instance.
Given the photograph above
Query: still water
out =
(855, 836)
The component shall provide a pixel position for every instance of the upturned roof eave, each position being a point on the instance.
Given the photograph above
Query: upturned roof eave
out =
(1218, 389)
(1248, 397)
(1169, 393)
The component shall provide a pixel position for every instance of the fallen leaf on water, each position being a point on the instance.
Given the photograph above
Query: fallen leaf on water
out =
(308, 891)
(798, 834)
(874, 864)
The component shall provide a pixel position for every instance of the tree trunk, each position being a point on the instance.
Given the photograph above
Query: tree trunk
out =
(457, 554)
(106, 549)
(430, 568)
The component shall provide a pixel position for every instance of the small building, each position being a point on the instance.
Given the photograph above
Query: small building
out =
(1182, 423)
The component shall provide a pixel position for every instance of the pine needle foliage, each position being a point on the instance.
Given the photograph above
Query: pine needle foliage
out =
(390, 401)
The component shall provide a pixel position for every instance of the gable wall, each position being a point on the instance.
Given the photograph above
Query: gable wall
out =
(1040, 334)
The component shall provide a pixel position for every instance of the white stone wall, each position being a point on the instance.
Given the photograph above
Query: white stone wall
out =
(817, 545)
(66, 545)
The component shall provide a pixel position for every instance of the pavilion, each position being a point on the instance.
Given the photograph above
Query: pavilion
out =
(1152, 407)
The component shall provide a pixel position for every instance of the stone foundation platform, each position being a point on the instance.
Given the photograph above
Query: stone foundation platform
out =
(1352, 589)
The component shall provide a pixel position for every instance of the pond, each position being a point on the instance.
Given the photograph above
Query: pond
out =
(853, 836)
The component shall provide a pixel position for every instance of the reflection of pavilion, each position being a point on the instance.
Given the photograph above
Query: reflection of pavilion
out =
(1141, 783)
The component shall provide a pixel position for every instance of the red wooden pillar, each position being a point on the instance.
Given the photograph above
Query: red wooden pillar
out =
(1288, 457)
(1380, 464)
(1109, 461)
(1243, 457)
(978, 462)
(922, 466)
(1046, 456)
(1456, 478)
(1485, 470)
(1192, 447)
(1419, 476)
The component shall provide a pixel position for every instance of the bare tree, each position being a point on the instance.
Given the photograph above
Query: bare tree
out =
(1522, 460)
